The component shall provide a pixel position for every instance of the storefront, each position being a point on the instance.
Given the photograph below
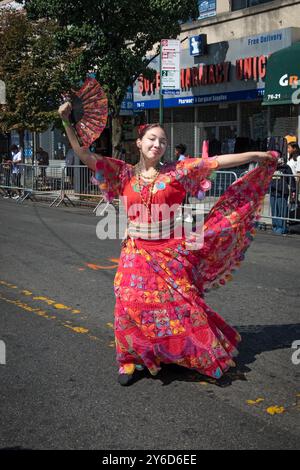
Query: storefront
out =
(221, 95)
(283, 86)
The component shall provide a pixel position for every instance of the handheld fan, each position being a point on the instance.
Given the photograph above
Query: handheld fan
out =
(89, 111)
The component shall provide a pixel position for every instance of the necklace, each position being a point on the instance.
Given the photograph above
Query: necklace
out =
(146, 202)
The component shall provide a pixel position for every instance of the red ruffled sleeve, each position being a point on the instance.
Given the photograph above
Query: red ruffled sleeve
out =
(112, 174)
(193, 174)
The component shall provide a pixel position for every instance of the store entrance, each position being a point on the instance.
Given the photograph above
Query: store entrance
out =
(221, 135)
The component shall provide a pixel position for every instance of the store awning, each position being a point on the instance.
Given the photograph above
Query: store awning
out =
(283, 76)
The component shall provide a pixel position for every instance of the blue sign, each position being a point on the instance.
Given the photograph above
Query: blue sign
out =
(127, 103)
(28, 152)
(198, 45)
(207, 8)
(170, 92)
(202, 99)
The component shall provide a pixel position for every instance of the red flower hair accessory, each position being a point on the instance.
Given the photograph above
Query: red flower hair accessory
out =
(142, 129)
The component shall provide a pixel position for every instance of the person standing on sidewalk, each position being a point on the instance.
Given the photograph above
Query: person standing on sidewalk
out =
(7, 164)
(42, 157)
(16, 169)
(283, 187)
(180, 150)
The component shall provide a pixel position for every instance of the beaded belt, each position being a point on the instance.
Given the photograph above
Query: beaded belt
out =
(153, 230)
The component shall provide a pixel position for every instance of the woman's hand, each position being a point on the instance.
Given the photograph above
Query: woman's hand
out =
(65, 110)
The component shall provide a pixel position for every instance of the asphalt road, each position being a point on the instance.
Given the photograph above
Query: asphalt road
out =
(59, 385)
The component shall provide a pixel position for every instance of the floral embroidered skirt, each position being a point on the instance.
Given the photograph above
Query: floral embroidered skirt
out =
(160, 313)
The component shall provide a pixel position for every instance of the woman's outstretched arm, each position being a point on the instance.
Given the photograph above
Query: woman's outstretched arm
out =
(238, 159)
(83, 153)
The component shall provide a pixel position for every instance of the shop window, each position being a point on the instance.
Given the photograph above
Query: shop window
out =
(183, 115)
(284, 120)
(218, 113)
(154, 115)
(240, 4)
(254, 121)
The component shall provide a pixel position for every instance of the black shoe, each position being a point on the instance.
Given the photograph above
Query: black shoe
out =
(224, 381)
(125, 379)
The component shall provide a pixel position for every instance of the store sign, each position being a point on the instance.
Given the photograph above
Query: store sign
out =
(202, 99)
(250, 68)
(170, 66)
(287, 80)
(127, 103)
(207, 8)
(198, 45)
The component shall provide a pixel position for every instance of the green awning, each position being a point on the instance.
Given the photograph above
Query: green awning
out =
(283, 76)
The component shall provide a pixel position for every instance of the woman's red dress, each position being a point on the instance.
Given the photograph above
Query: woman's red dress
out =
(160, 314)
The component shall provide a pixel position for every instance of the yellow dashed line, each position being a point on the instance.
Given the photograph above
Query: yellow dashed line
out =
(26, 292)
(7, 284)
(41, 298)
(61, 307)
(42, 313)
(94, 338)
(27, 308)
(77, 329)
(255, 402)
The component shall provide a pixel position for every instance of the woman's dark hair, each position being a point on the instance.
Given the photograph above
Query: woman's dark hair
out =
(294, 146)
(146, 127)
(14, 148)
(181, 148)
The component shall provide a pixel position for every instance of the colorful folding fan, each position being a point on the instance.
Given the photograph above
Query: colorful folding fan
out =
(89, 111)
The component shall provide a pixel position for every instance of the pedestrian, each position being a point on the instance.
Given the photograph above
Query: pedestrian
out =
(282, 187)
(160, 314)
(180, 150)
(7, 167)
(293, 154)
(42, 157)
(70, 162)
(16, 154)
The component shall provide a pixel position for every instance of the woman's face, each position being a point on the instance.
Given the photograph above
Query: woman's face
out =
(153, 144)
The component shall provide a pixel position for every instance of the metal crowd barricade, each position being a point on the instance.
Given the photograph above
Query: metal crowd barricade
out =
(221, 181)
(79, 184)
(76, 183)
(283, 200)
(13, 179)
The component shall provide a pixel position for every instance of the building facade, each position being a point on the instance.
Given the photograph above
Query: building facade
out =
(222, 87)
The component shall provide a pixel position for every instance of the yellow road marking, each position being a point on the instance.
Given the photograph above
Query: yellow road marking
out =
(272, 410)
(27, 307)
(41, 298)
(255, 402)
(42, 313)
(7, 284)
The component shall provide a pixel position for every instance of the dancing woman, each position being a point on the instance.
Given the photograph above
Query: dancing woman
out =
(160, 313)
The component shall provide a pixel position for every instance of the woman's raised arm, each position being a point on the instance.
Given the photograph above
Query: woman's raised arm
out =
(83, 153)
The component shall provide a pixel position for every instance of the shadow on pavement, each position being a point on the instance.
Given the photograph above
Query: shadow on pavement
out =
(256, 339)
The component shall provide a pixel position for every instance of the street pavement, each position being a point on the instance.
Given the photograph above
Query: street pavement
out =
(59, 386)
